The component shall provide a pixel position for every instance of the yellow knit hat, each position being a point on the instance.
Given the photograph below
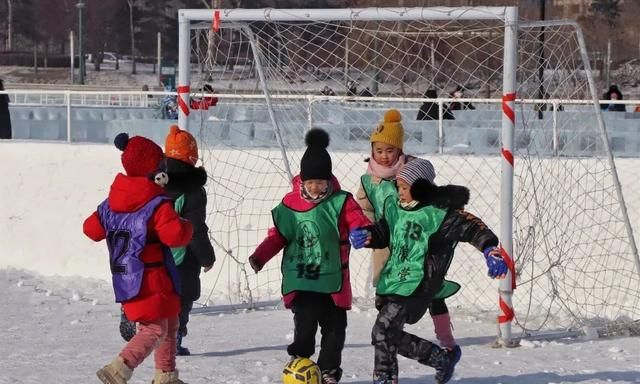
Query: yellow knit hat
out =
(390, 130)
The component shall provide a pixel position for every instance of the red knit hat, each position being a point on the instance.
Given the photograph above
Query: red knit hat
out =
(140, 156)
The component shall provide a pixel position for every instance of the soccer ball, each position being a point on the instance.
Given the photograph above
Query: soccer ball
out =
(301, 371)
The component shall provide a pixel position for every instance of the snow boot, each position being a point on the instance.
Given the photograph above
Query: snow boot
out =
(456, 355)
(180, 350)
(442, 360)
(331, 376)
(383, 378)
(166, 378)
(115, 372)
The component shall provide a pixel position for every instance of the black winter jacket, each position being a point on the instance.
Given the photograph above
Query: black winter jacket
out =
(457, 226)
(187, 180)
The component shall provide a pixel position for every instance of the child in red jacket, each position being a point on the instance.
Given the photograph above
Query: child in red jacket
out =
(139, 224)
(312, 224)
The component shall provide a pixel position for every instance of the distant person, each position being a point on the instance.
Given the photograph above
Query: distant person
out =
(637, 108)
(145, 99)
(613, 94)
(543, 107)
(458, 93)
(327, 91)
(205, 102)
(169, 105)
(366, 93)
(145, 88)
(429, 109)
(5, 117)
(352, 88)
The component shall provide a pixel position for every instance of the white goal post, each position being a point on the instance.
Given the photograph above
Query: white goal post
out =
(268, 70)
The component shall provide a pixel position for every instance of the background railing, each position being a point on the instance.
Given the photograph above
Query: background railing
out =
(97, 116)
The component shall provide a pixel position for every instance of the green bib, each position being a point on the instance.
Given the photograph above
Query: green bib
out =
(377, 193)
(180, 252)
(448, 289)
(410, 232)
(311, 258)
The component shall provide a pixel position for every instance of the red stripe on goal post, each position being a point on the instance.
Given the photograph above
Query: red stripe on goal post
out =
(507, 155)
(506, 108)
(510, 264)
(182, 103)
(216, 21)
(507, 311)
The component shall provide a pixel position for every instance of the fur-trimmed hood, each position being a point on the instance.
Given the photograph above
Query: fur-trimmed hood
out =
(183, 177)
(446, 196)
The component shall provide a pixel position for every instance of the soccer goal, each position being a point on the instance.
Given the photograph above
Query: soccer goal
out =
(527, 139)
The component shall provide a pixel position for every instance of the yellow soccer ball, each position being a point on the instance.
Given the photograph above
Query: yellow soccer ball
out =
(301, 371)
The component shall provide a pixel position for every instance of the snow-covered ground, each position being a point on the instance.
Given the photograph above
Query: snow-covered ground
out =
(60, 330)
(107, 79)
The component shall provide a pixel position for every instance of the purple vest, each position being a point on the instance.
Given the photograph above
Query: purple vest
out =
(126, 238)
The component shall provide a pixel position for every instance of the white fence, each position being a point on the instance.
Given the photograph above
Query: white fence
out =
(348, 113)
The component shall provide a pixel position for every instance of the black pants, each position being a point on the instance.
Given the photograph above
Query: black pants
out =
(309, 311)
(5, 118)
(389, 338)
(183, 317)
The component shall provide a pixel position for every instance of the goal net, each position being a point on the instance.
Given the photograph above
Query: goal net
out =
(278, 75)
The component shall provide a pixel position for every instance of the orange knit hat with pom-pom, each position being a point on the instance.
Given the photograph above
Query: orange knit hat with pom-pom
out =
(390, 130)
(181, 145)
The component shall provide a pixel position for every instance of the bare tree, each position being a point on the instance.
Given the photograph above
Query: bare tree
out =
(131, 4)
(609, 10)
(100, 24)
(9, 25)
(54, 19)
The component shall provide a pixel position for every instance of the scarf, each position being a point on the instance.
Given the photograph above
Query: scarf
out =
(383, 171)
(305, 195)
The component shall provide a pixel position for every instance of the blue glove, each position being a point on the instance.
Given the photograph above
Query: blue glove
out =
(359, 238)
(497, 268)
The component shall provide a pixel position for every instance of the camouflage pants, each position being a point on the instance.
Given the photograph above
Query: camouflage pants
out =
(389, 338)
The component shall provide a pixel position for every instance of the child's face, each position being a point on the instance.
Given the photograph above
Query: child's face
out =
(404, 191)
(385, 154)
(315, 187)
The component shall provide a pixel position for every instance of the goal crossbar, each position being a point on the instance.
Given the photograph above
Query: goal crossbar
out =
(348, 14)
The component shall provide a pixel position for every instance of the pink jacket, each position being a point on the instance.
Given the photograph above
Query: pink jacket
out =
(352, 217)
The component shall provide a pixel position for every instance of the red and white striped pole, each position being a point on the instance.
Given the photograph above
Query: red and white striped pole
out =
(507, 284)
